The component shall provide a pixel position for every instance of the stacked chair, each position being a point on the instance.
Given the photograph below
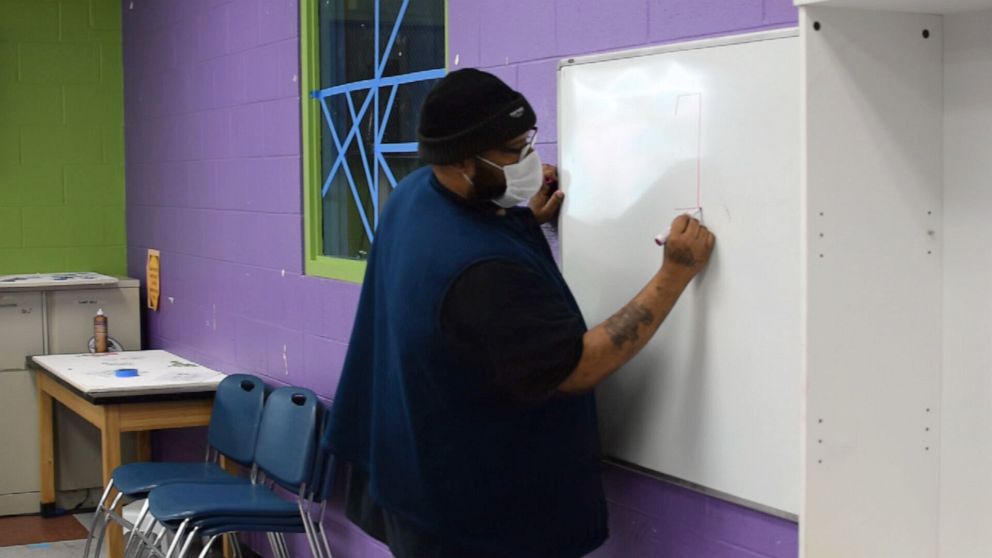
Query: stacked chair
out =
(234, 423)
(291, 456)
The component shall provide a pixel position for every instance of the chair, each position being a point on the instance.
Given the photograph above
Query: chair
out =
(233, 430)
(322, 483)
(286, 456)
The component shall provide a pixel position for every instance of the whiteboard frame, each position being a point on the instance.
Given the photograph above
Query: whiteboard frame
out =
(730, 40)
(712, 493)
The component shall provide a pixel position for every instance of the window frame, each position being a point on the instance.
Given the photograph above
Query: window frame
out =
(315, 262)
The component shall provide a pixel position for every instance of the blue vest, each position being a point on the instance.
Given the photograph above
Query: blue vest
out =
(441, 449)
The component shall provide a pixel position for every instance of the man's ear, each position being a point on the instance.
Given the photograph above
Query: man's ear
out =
(466, 166)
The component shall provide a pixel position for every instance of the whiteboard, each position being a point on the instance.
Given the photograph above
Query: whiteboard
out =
(714, 399)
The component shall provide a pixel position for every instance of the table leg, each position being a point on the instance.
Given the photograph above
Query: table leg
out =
(46, 437)
(110, 436)
(144, 443)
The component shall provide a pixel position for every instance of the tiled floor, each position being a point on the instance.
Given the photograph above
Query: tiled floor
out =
(30, 529)
(36, 537)
(61, 549)
(32, 536)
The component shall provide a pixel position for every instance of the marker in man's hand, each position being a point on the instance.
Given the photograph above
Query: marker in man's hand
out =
(661, 239)
(551, 181)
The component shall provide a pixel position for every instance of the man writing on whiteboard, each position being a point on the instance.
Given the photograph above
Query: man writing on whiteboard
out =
(465, 407)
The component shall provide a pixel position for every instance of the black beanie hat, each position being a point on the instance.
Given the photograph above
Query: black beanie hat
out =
(468, 112)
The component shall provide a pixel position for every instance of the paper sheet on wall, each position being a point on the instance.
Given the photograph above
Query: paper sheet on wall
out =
(152, 278)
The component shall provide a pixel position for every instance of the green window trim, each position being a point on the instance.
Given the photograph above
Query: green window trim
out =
(315, 263)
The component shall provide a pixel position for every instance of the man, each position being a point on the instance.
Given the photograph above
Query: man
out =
(465, 405)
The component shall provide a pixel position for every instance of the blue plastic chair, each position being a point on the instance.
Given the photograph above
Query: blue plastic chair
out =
(312, 525)
(233, 430)
(257, 509)
(285, 456)
(322, 487)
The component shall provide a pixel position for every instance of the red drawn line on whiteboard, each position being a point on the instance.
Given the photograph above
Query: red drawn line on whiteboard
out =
(699, 144)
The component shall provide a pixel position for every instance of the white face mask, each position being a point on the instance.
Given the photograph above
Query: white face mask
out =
(523, 179)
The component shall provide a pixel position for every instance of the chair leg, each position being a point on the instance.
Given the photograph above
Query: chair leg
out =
(323, 532)
(176, 538)
(154, 546)
(276, 551)
(136, 528)
(186, 546)
(323, 536)
(144, 546)
(106, 522)
(310, 533)
(282, 542)
(309, 529)
(189, 542)
(145, 539)
(206, 547)
(97, 515)
(150, 544)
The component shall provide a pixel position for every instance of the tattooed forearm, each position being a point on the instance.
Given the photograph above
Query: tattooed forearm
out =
(622, 326)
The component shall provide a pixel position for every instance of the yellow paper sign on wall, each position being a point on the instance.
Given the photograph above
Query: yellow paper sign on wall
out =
(152, 280)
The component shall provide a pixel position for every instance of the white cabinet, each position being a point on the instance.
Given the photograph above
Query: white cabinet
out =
(22, 323)
(71, 318)
(910, 6)
(22, 327)
(51, 321)
(897, 124)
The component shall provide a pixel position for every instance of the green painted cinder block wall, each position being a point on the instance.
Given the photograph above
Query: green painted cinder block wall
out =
(61, 137)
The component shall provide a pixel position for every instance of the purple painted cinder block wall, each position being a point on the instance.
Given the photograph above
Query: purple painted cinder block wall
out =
(213, 180)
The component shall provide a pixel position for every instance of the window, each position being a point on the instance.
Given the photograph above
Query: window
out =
(367, 65)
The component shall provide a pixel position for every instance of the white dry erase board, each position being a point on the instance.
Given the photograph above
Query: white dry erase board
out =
(715, 397)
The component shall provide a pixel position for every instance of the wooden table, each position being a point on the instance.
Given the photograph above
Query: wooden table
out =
(170, 392)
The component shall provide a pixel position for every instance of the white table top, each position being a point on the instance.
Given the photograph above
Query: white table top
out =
(36, 281)
(159, 372)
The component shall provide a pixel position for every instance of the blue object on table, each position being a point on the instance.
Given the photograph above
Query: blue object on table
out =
(126, 372)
